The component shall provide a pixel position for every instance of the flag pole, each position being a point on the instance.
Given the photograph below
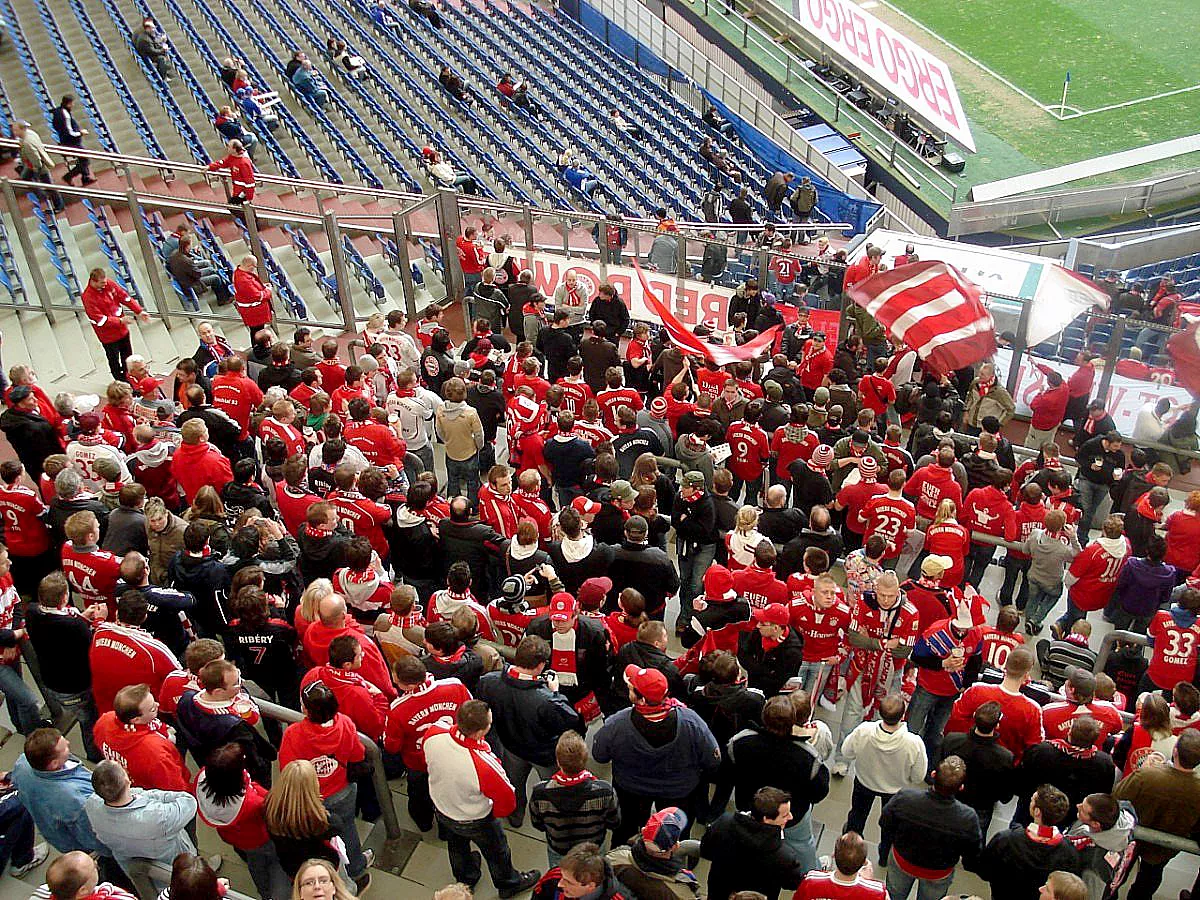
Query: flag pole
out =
(1066, 84)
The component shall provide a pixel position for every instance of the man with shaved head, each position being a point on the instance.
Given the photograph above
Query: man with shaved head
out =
(332, 622)
(74, 876)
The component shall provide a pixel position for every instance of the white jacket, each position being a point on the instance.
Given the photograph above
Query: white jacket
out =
(886, 762)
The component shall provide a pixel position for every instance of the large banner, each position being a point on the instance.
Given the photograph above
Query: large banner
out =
(696, 302)
(1126, 396)
(905, 70)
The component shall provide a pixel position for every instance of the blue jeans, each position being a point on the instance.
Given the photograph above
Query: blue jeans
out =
(84, 707)
(813, 678)
(16, 832)
(799, 836)
(23, 704)
(460, 473)
(927, 716)
(1015, 568)
(341, 816)
(267, 874)
(1071, 616)
(1149, 341)
(1091, 495)
(692, 566)
(900, 883)
(1041, 601)
(486, 834)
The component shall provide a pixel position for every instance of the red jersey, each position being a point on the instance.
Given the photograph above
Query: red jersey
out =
(21, 509)
(117, 419)
(377, 442)
(988, 509)
(998, 644)
(1020, 726)
(613, 399)
(1093, 573)
(592, 432)
(292, 437)
(876, 393)
(855, 497)
(364, 703)
(819, 885)
(175, 685)
(236, 396)
(472, 258)
(711, 382)
(575, 394)
(1183, 540)
(824, 630)
(931, 485)
(531, 506)
(146, 752)
(536, 383)
(785, 267)
(1175, 649)
(749, 450)
(333, 375)
(897, 458)
(362, 516)
(759, 587)
(749, 389)
(339, 400)
(92, 575)
(952, 540)
(293, 506)
(892, 518)
(413, 712)
(788, 451)
(331, 747)
(122, 655)
(509, 627)
(1029, 517)
(816, 361)
(1057, 719)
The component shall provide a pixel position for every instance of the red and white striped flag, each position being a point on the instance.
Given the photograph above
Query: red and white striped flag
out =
(933, 308)
(1184, 349)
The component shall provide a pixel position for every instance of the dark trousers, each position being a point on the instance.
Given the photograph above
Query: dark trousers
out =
(486, 834)
(1013, 569)
(116, 352)
(978, 559)
(81, 166)
(16, 832)
(753, 490)
(862, 798)
(636, 809)
(1149, 878)
(420, 807)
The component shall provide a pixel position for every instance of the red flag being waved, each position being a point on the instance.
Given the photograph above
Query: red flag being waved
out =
(932, 308)
(683, 338)
(1184, 349)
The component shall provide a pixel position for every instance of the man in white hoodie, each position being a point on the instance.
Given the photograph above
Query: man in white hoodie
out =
(887, 758)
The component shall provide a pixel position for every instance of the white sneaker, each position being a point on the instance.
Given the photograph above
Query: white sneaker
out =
(840, 769)
(370, 857)
(215, 862)
(826, 704)
(40, 852)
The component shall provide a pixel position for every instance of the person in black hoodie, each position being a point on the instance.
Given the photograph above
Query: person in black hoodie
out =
(990, 776)
(32, 437)
(578, 556)
(646, 569)
(819, 533)
(479, 545)
(244, 492)
(528, 717)
(557, 345)
(446, 656)
(487, 400)
(609, 308)
(322, 542)
(772, 651)
(167, 609)
(1074, 766)
(194, 569)
(1017, 861)
(223, 432)
(719, 695)
(281, 372)
(771, 754)
(695, 520)
(647, 651)
(810, 480)
(747, 849)
(929, 831)
(416, 553)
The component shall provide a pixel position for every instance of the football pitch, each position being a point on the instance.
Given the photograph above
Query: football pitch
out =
(1121, 54)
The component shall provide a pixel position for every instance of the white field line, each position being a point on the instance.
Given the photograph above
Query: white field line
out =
(1128, 103)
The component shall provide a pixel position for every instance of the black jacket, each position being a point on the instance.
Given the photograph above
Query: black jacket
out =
(467, 668)
(748, 855)
(644, 656)
(206, 579)
(695, 521)
(65, 638)
(168, 611)
(204, 731)
(751, 306)
(931, 830)
(609, 525)
(591, 654)
(32, 438)
(321, 556)
(991, 777)
(1076, 773)
(980, 472)
(416, 551)
(223, 432)
(647, 569)
(1016, 866)
(809, 487)
(762, 759)
(475, 543)
(237, 498)
(61, 510)
(781, 525)
(490, 407)
(597, 355)
(791, 558)
(1096, 464)
(613, 313)
(527, 717)
(1102, 426)
(769, 670)
(557, 345)
(286, 377)
(573, 574)
(612, 887)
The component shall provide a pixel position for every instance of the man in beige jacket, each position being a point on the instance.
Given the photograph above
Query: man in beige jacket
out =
(459, 428)
(36, 164)
(988, 397)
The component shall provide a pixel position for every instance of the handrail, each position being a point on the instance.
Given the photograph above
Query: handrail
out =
(391, 822)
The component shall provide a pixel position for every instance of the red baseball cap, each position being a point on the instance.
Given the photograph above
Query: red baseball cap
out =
(585, 507)
(773, 614)
(562, 607)
(650, 683)
(593, 591)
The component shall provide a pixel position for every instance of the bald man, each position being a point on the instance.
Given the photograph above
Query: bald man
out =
(74, 876)
(332, 622)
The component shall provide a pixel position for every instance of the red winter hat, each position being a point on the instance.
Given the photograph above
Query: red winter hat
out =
(585, 506)
(718, 584)
(773, 614)
(593, 592)
(822, 457)
(658, 407)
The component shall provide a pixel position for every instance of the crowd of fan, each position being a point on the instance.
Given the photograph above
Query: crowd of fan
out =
(270, 525)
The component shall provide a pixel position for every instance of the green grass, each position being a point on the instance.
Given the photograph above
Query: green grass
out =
(1116, 50)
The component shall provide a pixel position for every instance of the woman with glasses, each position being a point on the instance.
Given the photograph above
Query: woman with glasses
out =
(319, 880)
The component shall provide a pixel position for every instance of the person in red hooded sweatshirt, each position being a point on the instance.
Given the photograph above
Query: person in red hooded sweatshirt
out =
(816, 361)
(988, 510)
(197, 463)
(497, 506)
(235, 394)
(364, 703)
(332, 622)
(116, 414)
(757, 583)
(1092, 575)
(251, 297)
(1029, 517)
(381, 444)
(876, 391)
(240, 168)
(102, 302)
(932, 484)
(132, 734)
(1049, 407)
(854, 497)
(150, 465)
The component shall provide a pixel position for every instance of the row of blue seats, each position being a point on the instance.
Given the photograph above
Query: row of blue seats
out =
(1164, 267)
(111, 247)
(52, 240)
(91, 110)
